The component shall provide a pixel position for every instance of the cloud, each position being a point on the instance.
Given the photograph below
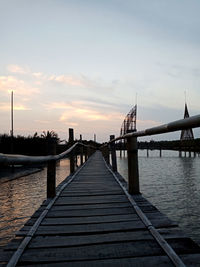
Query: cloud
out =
(42, 121)
(37, 74)
(19, 86)
(94, 85)
(6, 106)
(80, 81)
(81, 111)
(17, 69)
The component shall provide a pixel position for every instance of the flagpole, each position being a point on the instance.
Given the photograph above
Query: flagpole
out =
(12, 127)
(12, 114)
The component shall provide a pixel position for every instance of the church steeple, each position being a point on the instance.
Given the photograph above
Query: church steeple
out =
(188, 133)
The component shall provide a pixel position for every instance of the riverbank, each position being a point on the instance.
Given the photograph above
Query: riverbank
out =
(7, 174)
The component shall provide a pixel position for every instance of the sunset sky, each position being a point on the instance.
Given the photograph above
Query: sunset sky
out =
(80, 64)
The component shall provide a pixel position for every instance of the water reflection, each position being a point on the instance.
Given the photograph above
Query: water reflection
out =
(20, 198)
(173, 185)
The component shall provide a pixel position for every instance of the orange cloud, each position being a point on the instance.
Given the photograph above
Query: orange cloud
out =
(6, 107)
(20, 87)
(79, 110)
(37, 74)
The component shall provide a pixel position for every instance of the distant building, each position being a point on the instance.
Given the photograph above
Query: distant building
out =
(188, 133)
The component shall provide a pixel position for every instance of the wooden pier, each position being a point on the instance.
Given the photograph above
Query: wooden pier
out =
(93, 221)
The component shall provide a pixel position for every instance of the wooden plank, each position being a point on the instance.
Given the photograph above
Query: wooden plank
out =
(85, 228)
(80, 240)
(159, 223)
(92, 219)
(85, 212)
(85, 219)
(86, 193)
(90, 200)
(110, 251)
(93, 206)
(121, 262)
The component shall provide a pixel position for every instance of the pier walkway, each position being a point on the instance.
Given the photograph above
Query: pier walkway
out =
(93, 221)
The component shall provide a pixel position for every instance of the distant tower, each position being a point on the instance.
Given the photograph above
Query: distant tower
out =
(129, 123)
(128, 126)
(188, 133)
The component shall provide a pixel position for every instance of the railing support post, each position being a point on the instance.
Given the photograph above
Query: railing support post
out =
(133, 173)
(81, 151)
(107, 154)
(51, 179)
(86, 155)
(113, 154)
(71, 141)
(88, 152)
(81, 155)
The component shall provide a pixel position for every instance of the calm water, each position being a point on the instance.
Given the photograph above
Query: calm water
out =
(19, 199)
(172, 184)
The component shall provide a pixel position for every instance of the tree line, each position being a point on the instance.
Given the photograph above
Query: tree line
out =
(36, 145)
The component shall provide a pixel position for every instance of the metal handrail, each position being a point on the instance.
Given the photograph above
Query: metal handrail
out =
(132, 149)
(191, 122)
(22, 159)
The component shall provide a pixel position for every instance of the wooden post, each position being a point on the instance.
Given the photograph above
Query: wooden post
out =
(81, 151)
(113, 154)
(147, 152)
(76, 158)
(86, 155)
(107, 154)
(133, 173)
(88, 152)
(180, 153)
(81, 155)
(160, 152)
(51, 169)
(51, 179)
(120, 148)
(71, 141)
(124, 147)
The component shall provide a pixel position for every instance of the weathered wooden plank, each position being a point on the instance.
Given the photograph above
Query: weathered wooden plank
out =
(91, 200)
(86, 212)
(110, 251)
(85, 228)
(93, 206)
(91, 219)
(103, 187)
(86, 193)
(162, 261)
(139, 248)
(158, 223)
(191, 260)
(80, 240)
